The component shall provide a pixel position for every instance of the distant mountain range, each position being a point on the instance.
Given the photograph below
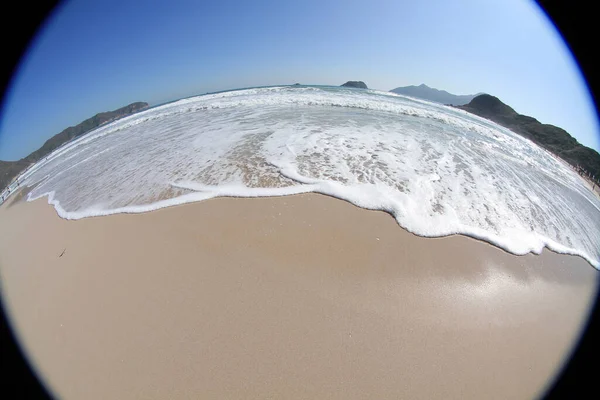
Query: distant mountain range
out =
(439, 96)
(10, 169)
(550, 137)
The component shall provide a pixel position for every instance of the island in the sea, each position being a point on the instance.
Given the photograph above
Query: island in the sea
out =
(355, 84)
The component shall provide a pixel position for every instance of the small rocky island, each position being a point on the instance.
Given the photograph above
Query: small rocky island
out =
(355, 84)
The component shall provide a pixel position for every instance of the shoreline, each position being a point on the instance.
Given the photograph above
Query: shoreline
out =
(197, 197)
(296, 297)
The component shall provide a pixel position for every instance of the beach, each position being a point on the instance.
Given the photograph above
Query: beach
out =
(296, 297)
(469, 176)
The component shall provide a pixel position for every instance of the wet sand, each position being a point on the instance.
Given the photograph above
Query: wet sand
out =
(294, 297)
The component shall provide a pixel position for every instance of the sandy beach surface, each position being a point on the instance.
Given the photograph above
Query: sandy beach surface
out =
(298, 297)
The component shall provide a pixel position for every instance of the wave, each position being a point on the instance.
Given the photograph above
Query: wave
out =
(437, 170)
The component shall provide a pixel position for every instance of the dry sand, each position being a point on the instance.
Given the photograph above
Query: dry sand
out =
(303, 297)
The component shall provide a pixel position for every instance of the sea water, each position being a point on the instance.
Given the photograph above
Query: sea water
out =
(436, 169)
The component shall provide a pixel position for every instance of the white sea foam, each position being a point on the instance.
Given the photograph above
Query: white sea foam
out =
(436, 169)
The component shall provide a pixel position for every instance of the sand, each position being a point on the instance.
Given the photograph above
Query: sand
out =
(294, 297)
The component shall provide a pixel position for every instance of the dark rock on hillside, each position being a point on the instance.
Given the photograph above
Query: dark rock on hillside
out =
(10, 169)
(355, 84)
(550, 137)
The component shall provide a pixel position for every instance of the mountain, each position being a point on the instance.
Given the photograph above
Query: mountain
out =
(355, 84)
(10, 169)
(550, 137)
(439, 96)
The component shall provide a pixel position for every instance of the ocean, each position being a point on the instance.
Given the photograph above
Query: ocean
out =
(437, 170)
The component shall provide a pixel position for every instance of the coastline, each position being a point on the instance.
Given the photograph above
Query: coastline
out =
(232, 192)
(486, 202)
(297, 296)
(591, 185)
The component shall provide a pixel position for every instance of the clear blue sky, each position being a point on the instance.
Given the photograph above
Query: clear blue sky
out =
(95, 56)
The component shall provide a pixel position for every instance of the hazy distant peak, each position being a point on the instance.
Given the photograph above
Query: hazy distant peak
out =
(439, 96)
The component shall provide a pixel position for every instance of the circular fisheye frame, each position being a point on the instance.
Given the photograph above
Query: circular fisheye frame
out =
(299, 200)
